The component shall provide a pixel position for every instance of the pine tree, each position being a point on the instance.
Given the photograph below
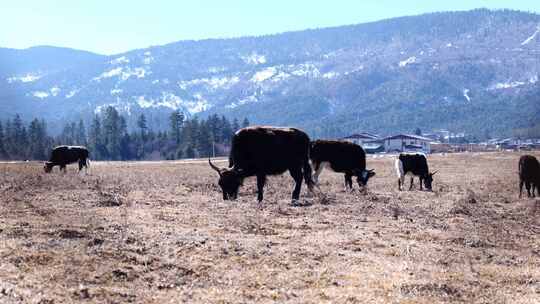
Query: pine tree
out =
(142, 136)
(142, 125)
(176, 120)
(81, 134)
(65, 136)
(73, 133)
(95, 143)
(194, 136)
(214, 125)
(37, 136)
(226, 130)
(204, 140)
(47, 140)
(125, 147)
(24, 143)
(18, 135)
(189, 132)
(125, 139)
(33, 134)
(112, 133)
(18, 139)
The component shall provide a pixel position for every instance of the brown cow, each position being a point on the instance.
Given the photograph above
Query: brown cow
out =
(529, 174)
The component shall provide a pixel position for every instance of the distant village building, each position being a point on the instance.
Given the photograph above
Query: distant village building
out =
(407, 143)
(370, 142)
(445, 136)
(515, 144)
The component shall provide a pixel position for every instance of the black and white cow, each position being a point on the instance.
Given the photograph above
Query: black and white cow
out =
(529, 174)
(65, 155)
(261, 151)
(416, 165)
(342, 157)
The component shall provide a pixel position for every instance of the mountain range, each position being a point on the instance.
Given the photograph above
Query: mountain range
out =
(474, 71)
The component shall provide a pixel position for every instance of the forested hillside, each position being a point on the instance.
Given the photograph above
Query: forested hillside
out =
(108, 138)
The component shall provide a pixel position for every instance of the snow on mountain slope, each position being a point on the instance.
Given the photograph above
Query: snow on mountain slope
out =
(532, 37)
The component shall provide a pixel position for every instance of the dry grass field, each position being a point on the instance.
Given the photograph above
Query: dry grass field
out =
(160, 233)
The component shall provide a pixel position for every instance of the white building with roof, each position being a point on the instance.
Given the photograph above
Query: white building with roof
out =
(407, 143)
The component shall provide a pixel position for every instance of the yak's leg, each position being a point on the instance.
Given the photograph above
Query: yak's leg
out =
(82, 163)
(348, 180)
(520, 187)
(421, 183)
(318, 169)
(63, 168)
(412, 182)
(528, 187)
(296, 174)
(400, 173)
(261, 180)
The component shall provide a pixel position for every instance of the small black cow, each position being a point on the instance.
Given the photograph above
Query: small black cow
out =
(415, 164)
(261, 151)
(64, 155)
(529, 174)
(342, 157)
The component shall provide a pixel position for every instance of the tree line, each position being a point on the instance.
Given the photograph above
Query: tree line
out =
(108, 138)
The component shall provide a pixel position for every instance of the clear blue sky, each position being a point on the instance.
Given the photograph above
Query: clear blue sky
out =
(113, 26)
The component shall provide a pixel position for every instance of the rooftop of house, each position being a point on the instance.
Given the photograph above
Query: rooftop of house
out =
(407, 136)
(363, 135)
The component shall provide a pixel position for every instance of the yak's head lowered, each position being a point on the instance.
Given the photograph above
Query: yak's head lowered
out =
(230, 180)
(47, 167)
(428, 180)
(363, 177)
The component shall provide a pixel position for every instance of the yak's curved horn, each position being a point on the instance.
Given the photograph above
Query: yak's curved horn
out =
(214, 167)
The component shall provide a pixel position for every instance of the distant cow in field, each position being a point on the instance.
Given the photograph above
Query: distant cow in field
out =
(65, 155)
(342, 157)
(262, 151)
(416, 165)
(529, 174)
